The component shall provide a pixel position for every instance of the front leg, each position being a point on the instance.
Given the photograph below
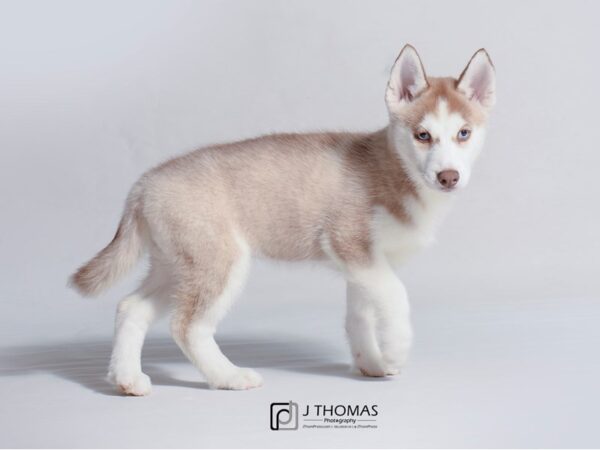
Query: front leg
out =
(377, 320)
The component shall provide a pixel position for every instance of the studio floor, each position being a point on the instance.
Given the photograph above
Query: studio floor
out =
(514, 374)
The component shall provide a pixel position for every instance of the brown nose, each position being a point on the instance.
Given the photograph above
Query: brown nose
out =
(448, 178)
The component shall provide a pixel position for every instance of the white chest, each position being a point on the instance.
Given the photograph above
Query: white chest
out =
(397, 239)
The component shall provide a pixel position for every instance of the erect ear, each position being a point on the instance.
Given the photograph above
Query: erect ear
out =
(478, 80)
(407, 79)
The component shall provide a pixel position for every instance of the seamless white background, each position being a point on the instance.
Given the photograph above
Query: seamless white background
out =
(506, 305)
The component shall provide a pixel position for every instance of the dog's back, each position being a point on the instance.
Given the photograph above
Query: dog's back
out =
(278, 192)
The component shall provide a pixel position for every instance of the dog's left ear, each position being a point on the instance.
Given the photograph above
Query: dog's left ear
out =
(478, 80)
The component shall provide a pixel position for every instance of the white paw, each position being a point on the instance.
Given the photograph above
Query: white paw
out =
(239, 379)
(370, 366)
(379, 367)
(137, 384)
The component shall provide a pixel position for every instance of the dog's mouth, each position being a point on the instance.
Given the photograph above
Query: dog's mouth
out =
(446, 189)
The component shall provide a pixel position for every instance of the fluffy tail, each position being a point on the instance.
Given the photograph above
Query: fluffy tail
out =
(119, 256)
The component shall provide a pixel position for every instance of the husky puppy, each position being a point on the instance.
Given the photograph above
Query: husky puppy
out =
(361, 201)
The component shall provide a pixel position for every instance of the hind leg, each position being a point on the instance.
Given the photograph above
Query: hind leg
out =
(208, 286)
(135, 314)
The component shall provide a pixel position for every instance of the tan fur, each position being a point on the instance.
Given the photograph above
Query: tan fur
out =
(119, 255)
(283, 192)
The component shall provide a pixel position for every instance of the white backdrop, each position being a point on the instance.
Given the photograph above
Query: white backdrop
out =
(92, 94)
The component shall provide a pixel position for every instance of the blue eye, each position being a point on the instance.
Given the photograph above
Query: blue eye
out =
(464, 134)
(423, 136)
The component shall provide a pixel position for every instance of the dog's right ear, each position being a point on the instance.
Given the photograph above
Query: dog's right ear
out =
(407, 79)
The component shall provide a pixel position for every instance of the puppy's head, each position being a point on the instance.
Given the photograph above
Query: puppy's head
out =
(438, 124)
